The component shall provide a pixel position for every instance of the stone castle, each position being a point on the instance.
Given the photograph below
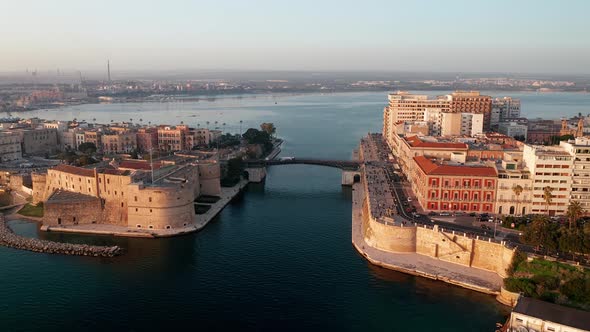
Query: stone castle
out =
(123, 194)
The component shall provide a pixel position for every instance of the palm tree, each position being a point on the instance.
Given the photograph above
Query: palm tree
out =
(574, 211)
(548, 197)
(517, 191)
(241, 126)
(207, 124)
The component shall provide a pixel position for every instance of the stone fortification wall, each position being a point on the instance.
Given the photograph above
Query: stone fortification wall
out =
(449, 247)
(388, 238)
(430, 241)
(72, 212)
(112, 190)
(39, 185)
(209, 178)
(160, 207)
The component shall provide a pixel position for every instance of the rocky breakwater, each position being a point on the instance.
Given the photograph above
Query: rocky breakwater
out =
(9, 239)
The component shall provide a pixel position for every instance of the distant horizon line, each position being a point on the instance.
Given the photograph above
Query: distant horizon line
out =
(68, 71)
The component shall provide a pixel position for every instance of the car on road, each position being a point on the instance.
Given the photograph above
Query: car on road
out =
(432, 213)
(486, 227)
(473, 214)
(444, 214)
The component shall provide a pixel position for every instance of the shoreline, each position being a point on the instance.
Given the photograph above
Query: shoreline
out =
(200, 97)
(416, 264)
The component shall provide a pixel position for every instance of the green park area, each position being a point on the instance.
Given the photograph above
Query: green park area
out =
(550, 281)
(30, 210)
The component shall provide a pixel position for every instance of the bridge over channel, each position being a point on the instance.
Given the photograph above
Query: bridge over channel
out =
(342, 164)
(256, 168)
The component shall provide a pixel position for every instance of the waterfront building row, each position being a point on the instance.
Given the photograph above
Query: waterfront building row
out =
(502, 179)
(34, 137)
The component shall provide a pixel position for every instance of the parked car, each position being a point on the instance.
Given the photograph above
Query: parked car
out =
(486, 227)
(472, 214)
(432, 213)
(409, 199)
(444, 214)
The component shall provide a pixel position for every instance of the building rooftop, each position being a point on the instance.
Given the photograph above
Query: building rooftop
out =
(68, 196)
(139, 165)
(74, 170)
(416, 142)
(432, 168)
(553, 313)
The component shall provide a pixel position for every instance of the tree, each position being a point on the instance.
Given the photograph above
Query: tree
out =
(254, 136)
(548, 197)
(87, 148)
(541, 232)
(574, 212)
(517, 191)
(269, 128)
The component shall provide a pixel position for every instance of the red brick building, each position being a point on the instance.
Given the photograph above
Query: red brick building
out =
(444, 187)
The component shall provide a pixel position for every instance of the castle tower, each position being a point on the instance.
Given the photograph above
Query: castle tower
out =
(580, 131)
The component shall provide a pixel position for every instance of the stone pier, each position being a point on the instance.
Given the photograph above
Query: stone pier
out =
(11, 240)
(256, 174)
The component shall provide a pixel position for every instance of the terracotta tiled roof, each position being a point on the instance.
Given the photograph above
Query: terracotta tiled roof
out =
(431, 168)
(416, 142)
(74, 170)
(136, 164)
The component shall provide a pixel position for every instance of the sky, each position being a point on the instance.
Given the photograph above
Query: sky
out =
(520, 36)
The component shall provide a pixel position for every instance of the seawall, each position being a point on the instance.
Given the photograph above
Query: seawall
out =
(427, 251)
(11, 240)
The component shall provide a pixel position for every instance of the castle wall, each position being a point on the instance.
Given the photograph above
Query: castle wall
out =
(72, 213)
(388, 238)
(39, 187)
(451, 247)
(209, 176)
(160, 207)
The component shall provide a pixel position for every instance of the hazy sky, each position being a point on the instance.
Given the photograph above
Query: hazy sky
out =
(506, 36)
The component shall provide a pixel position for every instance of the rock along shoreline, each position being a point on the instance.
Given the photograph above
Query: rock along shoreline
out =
(9, 239)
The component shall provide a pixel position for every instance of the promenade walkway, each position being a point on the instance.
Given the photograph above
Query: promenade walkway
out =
(416, 264)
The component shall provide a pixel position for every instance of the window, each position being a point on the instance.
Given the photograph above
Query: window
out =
(135, 198)
(168, 226)
(150, 199)
(121, 204)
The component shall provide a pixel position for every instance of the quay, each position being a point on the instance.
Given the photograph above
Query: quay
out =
(11, 240)
(416, 264)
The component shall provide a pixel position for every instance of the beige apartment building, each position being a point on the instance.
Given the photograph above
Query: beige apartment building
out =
(406, 107)
(10, 147)
(580, 150)
(515, 186)
(550, 167)
(119, 142)
(173, 138)
(38, 141)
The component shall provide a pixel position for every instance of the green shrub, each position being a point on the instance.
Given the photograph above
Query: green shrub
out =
(521, 285)
(518, 258)
(577, 290)
(547, 281)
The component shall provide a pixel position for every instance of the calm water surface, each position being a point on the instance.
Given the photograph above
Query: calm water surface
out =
(278, 258)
